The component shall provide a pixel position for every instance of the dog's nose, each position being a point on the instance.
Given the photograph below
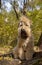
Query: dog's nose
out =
(22, 30)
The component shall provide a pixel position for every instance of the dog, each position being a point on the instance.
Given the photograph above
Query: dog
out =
(25, 43)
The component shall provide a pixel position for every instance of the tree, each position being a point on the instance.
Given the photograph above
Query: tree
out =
(40, 42)
(15, 5)
(0, 4)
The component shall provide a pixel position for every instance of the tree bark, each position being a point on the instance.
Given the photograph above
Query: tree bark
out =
(40, 42)
(0, 4)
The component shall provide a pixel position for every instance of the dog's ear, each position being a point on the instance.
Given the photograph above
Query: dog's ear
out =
(19, 21)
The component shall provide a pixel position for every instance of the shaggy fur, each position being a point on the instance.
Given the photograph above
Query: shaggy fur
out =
(24, 47)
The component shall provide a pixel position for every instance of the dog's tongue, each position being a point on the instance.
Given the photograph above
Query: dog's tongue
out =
(23, 34)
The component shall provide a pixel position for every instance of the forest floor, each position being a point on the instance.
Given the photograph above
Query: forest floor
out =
(5, 50)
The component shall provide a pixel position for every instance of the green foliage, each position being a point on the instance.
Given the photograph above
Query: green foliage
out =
(36, 17)
(8, 30)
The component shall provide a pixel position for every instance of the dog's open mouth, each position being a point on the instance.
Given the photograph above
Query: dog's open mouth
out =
(23, 34)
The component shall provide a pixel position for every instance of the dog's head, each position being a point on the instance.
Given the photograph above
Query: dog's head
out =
(24, 29)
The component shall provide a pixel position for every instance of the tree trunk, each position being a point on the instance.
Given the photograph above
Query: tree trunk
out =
(0, 4)
(15, 10)
(40, 42)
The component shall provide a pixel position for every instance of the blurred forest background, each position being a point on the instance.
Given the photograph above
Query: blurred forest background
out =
(10, 11)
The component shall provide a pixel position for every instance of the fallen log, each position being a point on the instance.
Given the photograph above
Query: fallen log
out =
(36, 57)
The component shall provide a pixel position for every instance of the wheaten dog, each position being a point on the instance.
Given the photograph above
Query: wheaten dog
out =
(24, 47)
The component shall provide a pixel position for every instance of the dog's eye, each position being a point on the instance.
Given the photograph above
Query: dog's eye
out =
(20, 24)
(26, 24)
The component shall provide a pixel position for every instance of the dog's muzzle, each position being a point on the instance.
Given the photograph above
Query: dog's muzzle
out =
(23, 34)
